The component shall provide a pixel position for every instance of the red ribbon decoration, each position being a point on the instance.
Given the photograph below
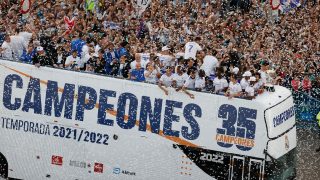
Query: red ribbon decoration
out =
(70, 24)
(274, 7)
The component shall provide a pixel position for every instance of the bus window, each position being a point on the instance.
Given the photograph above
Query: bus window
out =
(282, 168)
(237, 168)
(255, 169)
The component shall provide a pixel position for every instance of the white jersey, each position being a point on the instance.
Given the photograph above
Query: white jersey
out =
(145, 57)
(26, 37)
(235, 88)
(166, 60)
(152, 77)
(264, 76)
(258, 84)
(244, 83)
(7, 50)
(17, 45)
(190, 83)
(180, 79)
(166, 80)
(191, 49)
(133, 64)
(250, 90)
(200, 83)
(220, 84)
(72, 59)
(209, 65)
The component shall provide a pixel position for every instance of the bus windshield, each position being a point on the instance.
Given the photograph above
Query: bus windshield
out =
(282, 168)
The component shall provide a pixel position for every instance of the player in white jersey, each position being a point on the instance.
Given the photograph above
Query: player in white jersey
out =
(166, 80)
(191, 49)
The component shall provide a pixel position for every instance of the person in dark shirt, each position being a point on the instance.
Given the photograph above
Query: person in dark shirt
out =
(41, 58)
(100, 63)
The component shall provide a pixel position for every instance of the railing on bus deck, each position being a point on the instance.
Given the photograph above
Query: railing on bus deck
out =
(307, 109)
(117, 77)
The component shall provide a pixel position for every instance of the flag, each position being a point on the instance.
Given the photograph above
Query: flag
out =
(140, 5)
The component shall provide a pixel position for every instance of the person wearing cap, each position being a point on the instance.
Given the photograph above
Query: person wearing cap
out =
(166, 58)
(166, 80)
(245, 80)
(41, 58)
(249, 91)
(6, 48)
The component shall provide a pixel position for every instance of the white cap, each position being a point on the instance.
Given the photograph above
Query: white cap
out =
(247, 73)
(235, 70)
(165, 48)
(40, 48)
(252, 79)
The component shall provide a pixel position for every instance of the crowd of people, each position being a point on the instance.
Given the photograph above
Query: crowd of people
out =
(185, 44)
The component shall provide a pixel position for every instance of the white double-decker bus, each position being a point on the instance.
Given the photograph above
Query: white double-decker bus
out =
(58, 124)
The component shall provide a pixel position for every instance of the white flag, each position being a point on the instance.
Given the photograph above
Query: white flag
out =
(140, 5)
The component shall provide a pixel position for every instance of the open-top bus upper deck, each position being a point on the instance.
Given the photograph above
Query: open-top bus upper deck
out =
(124, 128)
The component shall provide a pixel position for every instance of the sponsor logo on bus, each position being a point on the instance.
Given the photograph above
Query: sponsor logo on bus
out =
(117, 170)
(57, 160)
(238, 127)
(79, 164)
(98, 168)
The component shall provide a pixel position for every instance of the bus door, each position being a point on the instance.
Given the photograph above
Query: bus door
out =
(237, 168)
(255, 169)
